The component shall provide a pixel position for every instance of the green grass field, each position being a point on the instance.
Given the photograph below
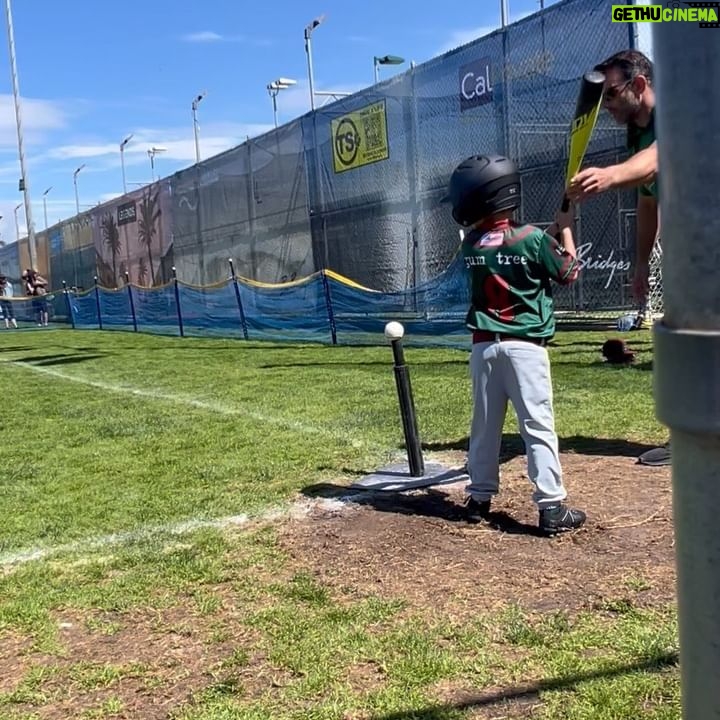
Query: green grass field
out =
(130, 462)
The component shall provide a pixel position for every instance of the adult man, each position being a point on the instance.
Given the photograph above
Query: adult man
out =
(629, 96)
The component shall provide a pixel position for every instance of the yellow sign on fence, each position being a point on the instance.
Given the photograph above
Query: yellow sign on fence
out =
(360, 138)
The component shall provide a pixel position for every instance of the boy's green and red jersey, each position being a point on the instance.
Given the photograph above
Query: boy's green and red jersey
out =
(511, 268)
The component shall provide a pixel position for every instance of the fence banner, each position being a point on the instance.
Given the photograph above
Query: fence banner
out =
(354, 186)
(133, 235)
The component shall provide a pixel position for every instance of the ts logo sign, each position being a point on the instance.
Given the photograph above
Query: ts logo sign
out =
(476, 84)
(347, 141)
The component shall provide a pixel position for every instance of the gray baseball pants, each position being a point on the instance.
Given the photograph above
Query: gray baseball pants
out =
(517, 371)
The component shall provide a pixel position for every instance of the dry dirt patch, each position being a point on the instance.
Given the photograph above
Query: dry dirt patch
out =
(417, 545)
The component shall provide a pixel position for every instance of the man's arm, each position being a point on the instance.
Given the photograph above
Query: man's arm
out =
(646, 223)
(640, 168)
(636, 170)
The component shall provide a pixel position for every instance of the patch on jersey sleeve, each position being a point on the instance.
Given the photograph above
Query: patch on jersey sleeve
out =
(494, 238)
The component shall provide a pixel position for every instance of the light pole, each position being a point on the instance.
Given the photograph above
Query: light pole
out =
(17, 228)
(45, 205)
(122, 160)
(152, 152)
(274, 88)
(18, 120)
(504, 12)
(308, 51)
(77, 199)
(386, 60)
(195, 104)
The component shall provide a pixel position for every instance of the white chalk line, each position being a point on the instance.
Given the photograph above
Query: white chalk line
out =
(299, 509)
(193, 402)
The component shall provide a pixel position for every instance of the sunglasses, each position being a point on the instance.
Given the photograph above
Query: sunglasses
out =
(614, 90)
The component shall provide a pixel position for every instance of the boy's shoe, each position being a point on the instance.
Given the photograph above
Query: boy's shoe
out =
(476, 511)
(560, 518)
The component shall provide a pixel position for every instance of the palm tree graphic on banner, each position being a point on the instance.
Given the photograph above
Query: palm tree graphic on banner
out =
(111, 236)
(147, 226)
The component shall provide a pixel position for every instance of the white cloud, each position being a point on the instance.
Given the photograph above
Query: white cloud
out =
(209, 36)
(462, 37)
(106, 197)
(65, 152)
(38, 118)
(206, 36)
(178, 142)
(296, 100)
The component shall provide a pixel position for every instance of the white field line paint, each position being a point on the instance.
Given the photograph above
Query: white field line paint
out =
(297, 510)
(193, 402)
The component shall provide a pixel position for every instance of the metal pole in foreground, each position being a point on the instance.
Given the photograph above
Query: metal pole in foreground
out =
(394, 332)
(687, 341)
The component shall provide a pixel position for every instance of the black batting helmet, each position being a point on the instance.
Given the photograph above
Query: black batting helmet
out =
(481, 185)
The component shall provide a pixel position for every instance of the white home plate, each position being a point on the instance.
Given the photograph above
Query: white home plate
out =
(398, 477)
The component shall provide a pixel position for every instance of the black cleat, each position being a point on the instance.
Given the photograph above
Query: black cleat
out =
(560, 518)
(476, 511)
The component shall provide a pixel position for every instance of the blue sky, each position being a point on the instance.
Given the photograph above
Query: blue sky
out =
(92, 72)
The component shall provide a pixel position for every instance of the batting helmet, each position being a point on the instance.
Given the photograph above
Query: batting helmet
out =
(481, 185)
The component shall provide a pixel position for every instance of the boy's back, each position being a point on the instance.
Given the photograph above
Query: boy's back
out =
(511, 267)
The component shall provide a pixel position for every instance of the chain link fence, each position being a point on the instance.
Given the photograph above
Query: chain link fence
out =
(355, 186)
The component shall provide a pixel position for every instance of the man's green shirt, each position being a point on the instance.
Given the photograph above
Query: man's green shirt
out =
(638, 139)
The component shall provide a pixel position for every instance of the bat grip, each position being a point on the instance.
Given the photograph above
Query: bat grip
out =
(564, 207)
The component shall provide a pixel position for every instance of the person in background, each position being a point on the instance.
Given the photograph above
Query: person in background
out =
(6, 291)
(36, 287)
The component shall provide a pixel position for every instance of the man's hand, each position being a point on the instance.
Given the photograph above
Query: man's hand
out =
(641, 282)
(589, 182)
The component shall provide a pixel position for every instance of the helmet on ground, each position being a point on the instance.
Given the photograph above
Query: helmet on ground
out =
(481, 185)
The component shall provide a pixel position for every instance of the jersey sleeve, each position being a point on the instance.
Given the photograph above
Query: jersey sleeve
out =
(557, 261)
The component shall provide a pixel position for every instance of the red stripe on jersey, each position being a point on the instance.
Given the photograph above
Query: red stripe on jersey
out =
(518, 234)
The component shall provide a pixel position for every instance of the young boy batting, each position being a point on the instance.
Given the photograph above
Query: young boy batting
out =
(512, 319)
